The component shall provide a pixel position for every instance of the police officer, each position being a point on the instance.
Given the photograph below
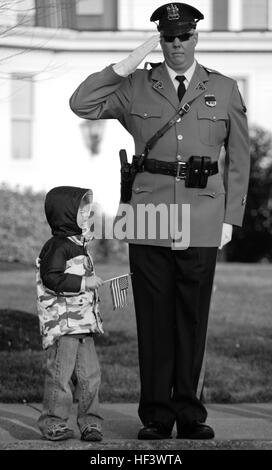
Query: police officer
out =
(171, 286)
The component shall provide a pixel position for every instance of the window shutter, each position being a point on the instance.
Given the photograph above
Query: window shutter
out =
(56, 13)
(220, 15)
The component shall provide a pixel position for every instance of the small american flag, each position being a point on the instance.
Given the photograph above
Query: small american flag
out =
(119, 290)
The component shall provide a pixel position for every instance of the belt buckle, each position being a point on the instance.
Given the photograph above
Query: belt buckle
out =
(181, 166)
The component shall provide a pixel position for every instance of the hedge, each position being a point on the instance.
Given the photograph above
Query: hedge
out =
(24, 229)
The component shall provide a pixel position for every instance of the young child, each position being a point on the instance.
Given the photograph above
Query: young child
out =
(69, 315)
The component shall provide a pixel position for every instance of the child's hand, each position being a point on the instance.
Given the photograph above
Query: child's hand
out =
(93, 282)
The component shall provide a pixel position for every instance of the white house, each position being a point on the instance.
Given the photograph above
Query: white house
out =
(48, 47)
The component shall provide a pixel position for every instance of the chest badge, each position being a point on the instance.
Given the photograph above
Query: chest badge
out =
(210, 100)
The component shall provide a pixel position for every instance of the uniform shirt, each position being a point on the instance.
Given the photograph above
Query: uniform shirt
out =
(188, 75)
(202, 131)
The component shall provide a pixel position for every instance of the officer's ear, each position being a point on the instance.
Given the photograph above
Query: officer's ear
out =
(195, 37)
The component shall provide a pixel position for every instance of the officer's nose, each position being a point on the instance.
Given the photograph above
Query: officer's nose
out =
(177, 42)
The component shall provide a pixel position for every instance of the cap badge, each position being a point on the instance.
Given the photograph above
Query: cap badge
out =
(210, 100)
(173, 12)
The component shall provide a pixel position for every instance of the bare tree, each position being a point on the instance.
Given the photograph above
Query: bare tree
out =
(17, 17)
(15, 13)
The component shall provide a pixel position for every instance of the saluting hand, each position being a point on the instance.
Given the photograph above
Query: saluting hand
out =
(130, 63)
(226, 235)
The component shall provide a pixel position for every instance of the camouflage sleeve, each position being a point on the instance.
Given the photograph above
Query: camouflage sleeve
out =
(52, 268)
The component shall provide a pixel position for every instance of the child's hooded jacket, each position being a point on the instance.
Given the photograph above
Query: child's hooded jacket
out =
(64, 307)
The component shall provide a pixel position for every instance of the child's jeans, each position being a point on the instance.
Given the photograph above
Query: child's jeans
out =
(67, 357)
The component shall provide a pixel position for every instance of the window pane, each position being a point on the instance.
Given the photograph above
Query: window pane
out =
(90, 7)
(21, 97)
(255, 14)
(97, 15)
(21, 139)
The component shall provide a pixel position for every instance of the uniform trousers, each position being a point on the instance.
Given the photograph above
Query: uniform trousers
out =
(172, 291)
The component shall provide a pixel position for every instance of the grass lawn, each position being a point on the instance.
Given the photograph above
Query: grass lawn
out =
(239, 353)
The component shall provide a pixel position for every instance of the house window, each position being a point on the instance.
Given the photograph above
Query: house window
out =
(96, 14)
(21, 116)
(90, 7)
(255, 14)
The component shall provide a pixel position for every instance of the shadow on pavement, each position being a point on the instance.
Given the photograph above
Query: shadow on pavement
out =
(19, 427)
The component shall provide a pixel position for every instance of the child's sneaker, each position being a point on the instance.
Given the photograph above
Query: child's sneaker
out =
(91, 432)
(58, 432)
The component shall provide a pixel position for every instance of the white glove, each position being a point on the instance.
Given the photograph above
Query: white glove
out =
(226, 235)
(128, 65)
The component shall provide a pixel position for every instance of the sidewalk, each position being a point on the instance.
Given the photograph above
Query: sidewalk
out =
(243, 426)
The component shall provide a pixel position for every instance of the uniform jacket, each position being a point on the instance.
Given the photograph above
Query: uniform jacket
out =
(64, 307)
(143, 103)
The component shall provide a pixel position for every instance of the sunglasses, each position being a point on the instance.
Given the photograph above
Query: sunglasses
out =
(182, 37)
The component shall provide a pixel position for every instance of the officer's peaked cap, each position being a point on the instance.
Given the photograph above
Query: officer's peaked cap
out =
(176, 18)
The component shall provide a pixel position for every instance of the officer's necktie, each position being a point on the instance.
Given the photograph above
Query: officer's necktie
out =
(181, 87)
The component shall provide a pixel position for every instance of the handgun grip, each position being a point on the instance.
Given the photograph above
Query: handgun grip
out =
(123, 156)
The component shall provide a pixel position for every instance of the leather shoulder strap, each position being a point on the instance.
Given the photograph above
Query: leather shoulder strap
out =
(154, 139)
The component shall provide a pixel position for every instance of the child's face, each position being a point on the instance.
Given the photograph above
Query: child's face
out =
(83, 216)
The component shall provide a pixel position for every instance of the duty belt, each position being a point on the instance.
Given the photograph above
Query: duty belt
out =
(177, 169)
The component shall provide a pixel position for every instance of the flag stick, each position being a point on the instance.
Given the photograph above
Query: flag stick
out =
(112, 278)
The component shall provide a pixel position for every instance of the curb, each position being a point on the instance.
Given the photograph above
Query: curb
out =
(133, 444)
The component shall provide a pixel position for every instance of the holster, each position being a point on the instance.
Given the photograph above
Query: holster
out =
(128, 173)
(198, 171)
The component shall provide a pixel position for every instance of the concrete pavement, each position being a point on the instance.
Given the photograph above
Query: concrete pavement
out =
(242, 426)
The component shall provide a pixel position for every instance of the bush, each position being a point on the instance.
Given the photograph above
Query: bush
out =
(23, 226)
(254, 241)
(19, 331)
(24, 229)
